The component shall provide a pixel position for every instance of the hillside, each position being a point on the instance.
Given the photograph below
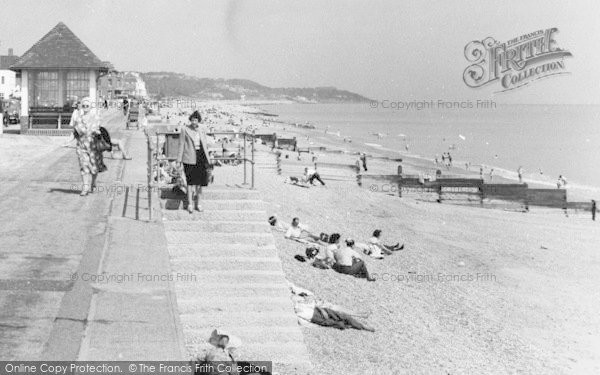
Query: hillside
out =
(168, 84)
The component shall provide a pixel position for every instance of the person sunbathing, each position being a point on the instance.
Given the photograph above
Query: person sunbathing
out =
(376, 249)
(312, 310)
(299, 232)
(349, 262)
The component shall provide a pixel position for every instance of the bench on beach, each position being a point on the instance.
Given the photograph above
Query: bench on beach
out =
(49, 118)
(287, 143)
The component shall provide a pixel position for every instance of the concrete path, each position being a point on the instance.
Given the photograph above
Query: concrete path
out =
(230, 276)
(48, 233)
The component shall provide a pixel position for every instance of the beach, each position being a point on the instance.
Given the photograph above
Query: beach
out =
(474, 291)
(545, 140)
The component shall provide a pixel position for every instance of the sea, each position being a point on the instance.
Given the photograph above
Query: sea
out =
(545, 140)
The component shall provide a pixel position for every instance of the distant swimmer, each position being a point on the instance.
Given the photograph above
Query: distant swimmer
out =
(436, 161)
(406, 147)
(491, 174)
(541, 172)
(481, 171)
(379, 135)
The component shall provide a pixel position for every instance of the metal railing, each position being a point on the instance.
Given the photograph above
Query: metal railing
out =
(156, 155)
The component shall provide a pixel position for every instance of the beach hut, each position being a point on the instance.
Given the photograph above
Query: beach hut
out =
(55, 73)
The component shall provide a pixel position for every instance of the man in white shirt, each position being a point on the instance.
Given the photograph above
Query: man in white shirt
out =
(310, 175)
(299, 232)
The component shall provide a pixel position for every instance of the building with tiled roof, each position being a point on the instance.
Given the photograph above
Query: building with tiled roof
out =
(56, 72)
(9, 86)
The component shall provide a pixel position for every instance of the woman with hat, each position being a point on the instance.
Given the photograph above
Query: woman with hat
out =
(194, 157)
(86, 125)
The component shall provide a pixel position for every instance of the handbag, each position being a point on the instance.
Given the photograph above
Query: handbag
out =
(103, 140)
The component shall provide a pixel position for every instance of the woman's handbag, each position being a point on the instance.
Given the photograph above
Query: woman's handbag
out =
(103, 140)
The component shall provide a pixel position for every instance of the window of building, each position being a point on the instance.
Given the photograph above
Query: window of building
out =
(77, 86)
(43, 88)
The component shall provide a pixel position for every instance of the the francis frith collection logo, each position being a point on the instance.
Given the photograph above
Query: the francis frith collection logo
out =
(514, 63)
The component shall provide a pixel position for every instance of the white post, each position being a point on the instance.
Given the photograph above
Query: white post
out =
(24, 93)
(93, 88)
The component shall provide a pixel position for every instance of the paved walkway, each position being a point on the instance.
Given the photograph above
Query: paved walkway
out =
(48, 233)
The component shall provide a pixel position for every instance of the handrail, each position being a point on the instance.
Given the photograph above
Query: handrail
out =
(153, 161)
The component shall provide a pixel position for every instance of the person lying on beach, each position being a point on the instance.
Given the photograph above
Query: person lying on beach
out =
(299, 232)
(349, 262)
(293, 180)
(312, 310)
(277, 225)
(223, 353)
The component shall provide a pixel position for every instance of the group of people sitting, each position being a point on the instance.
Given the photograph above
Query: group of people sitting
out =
(328, 253)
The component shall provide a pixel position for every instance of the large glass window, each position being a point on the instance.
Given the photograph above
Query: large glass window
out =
(43, 89)
(77, 86)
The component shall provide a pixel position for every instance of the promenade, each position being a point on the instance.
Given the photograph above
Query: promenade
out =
(58, 251)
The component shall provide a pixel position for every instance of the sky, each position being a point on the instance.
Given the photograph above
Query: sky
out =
(383, 49)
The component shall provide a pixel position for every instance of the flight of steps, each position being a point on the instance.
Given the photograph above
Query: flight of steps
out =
(238, 283)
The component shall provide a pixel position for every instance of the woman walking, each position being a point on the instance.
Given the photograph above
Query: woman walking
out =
(86, 125)
(194, 156)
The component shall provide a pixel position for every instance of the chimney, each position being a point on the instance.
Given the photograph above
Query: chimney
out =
(10, 52)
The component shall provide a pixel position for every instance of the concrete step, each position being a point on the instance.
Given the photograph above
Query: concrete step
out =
(216, 194)
(247, 319)
(217, 238)
(236, 277)
(224, 215)
(221, 305)
(224, 250)
(190, 291)
(215, 204)
(210, 225)
(232, 204)
(199, 265)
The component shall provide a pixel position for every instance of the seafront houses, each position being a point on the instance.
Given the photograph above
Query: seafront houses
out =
(121, 84)
(9, 85)
(55, 73)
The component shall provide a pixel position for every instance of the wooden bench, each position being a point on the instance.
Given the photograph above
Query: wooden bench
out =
(49, 118)
(287, 142)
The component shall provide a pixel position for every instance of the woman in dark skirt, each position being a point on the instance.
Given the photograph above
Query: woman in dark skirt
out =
(194, 156)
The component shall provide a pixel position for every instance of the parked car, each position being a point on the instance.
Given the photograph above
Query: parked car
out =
(12, 111)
